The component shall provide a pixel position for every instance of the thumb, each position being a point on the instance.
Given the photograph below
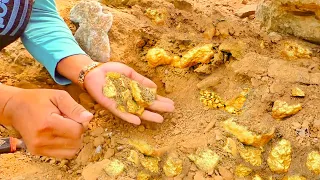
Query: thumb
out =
(70, 108)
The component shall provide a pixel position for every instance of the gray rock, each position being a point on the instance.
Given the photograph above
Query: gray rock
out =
(94, 25)
(299, 18)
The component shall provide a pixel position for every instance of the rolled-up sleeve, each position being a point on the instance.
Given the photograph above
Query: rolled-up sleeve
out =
(48, 39)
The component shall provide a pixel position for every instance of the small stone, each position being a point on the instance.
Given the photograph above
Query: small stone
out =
(246, 11)
(93, 170)
(274, 37)
(114, 168)
(98, 141)
(141, 128)
(110, 152)
(97, 131)
(225, 173)
(297, 92)
(52, 161)
(85, 154)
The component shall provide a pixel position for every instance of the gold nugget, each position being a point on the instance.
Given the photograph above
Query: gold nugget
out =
(245, 136)
(256, 177)
(129, 95)
(297, 92)
(313, 162)
(242, 171)
(172, 166)
(156, 16)
(142, 146)
(293, 50)
(279, 159)
(157, 57)
(143, 176)
(151, 164)
(114, 168)
(197, 55)
(282, 110)
(205, 159)
(251, 155)
(295, 177)
(231, 147)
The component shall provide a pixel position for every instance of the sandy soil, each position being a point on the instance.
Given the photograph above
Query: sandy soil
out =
(261, 67)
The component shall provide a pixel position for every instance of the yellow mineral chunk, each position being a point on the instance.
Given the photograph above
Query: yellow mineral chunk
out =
(143, 176)
(157, 57)
(293, 50)
(142, 146)
(297, 92)
(172, 166)
(134, 157)
(313, 162)
(257, 177)
(151, 164)
(231, 147)
(295, 177)
(109, 89)
(279, 159)
(282, 110)
(156, 16)
(197, 55)
(245, 136)
(242, 171)
(234, 106)
(251, 155)
(114, 168)
(211, 99)
(205, 159)
(143, 96)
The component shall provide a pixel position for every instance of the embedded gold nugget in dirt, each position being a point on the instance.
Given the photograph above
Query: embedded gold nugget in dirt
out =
(242, 171)
(297, 92)
(245, 136)
(129, 95)
(293, 50)
(279, 159)
(114, 168)
(205, 159)
(172, 166)
(210, 99)
(198, 55)
(231, 147)
(142, 146)
(313, 162)
(151, 164)
(251, 155)
(282, 110)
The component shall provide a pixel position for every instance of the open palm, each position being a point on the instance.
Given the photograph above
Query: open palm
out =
(95, 80)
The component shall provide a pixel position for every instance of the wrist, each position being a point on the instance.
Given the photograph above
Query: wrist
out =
(6, 93)
(70, 67)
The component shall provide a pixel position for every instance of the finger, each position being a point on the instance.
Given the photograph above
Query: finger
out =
(64, 127)
(69, 107)
(59, 153)
(161, 106)
(150, 116)
(164, 99)
(124, 115)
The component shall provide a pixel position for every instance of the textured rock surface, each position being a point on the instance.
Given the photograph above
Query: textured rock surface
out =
(295, 17)
(94, 25)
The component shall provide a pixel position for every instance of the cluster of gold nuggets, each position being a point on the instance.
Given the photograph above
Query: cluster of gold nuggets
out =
(129, 95)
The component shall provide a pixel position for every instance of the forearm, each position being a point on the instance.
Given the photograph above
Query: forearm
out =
(6, 92)
(71, 66)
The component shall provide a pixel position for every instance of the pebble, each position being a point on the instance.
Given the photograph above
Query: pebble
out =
(98, 141)
(141, 128)
(97, 131)
(246, 11)
(52, 161)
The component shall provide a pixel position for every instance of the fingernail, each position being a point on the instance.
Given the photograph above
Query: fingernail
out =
(86, 115)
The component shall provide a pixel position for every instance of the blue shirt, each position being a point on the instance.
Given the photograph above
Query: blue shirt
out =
(48, 39)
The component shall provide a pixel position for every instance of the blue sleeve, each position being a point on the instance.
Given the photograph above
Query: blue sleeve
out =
(48, 39)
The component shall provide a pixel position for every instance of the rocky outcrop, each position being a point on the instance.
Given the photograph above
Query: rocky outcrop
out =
(300, 18)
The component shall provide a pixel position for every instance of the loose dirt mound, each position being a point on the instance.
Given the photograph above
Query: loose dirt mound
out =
(258, 63)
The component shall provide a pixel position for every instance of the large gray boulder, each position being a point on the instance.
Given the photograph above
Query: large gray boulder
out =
(300, 18)
(94, 25)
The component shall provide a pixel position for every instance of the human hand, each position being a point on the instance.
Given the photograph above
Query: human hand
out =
(50, 122)
(95, 80)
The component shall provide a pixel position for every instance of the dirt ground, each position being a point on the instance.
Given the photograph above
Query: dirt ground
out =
(261, 67)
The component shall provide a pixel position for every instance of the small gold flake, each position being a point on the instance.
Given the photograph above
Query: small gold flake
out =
(297, 92)
(279, 159)
(313, 162)
(242, 171)
(205, 159)
(251, 155)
